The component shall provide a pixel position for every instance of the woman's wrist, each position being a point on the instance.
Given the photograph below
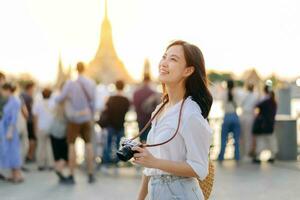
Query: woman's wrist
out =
(157, 163)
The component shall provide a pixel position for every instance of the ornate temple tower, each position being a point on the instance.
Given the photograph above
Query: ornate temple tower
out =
(147, 68)
(61, 75)
(106, 67)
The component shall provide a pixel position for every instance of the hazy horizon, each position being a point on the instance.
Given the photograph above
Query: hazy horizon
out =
(233, 35)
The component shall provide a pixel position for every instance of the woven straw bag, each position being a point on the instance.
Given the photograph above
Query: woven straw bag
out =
(207, 184)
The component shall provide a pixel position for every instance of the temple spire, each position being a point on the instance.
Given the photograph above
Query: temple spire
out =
(60, 71)
(147, 68)
(61, 77)
(106, 67)
(106, 15)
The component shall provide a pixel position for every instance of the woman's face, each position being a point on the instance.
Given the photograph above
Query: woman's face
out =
(172, 67)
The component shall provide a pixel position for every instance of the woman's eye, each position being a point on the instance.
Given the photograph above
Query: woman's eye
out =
(174, 59)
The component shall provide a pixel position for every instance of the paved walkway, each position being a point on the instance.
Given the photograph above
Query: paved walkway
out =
(245, 181)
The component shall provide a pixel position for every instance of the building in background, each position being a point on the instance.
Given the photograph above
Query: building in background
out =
(251, 77)
(106, 67)
(147, 68)
(62, 76)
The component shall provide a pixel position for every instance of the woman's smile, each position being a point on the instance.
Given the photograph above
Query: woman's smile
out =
(163, 71)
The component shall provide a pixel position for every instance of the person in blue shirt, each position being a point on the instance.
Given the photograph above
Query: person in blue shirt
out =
(9, 136)
(2, 103)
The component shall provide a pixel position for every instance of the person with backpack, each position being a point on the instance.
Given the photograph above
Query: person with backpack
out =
(115, 110)
(144, 102)
(79, 97)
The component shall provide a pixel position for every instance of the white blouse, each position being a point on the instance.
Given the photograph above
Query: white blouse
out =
(191, 144)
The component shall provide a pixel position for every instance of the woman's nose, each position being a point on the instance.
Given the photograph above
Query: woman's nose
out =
(164, 63)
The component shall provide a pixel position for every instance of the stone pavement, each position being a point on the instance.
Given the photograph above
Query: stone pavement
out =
(244, 181)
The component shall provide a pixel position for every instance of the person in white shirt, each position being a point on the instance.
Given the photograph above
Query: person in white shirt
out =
(172, 169)
(246, 119)
(42, 120)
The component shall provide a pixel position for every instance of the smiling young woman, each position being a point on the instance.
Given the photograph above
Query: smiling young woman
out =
(171, 170)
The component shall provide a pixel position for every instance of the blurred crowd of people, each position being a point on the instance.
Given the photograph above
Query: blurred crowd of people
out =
(43, 129)
(251, 119)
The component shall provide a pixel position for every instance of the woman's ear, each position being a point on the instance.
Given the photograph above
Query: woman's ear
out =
(188, 71)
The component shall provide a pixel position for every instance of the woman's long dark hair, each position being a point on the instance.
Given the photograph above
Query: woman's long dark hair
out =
(230, 86)
(196, 84)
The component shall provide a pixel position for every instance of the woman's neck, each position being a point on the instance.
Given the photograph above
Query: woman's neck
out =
(120, 93)
(175, 93)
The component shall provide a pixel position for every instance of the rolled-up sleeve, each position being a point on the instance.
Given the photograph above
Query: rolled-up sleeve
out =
(197, 136)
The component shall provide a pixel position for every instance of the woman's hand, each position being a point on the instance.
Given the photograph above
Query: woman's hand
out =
(9, 135)
(83, 112)
(144, 158)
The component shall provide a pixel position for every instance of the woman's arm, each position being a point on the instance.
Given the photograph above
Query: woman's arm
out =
(9, 133)
(64, 92)
(35, 110)
(35, 124)
(145, 158)
(24, 111)
(144, 188)
(83, 112)
(176, 168)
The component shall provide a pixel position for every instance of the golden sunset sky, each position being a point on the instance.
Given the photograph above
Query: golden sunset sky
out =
(234, 35)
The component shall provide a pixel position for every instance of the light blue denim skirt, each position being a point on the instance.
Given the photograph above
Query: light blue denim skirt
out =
(169, 187)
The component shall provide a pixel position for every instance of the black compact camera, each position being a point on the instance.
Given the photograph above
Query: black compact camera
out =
(125, 152)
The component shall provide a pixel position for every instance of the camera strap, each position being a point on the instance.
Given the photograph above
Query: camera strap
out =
(153, 117)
